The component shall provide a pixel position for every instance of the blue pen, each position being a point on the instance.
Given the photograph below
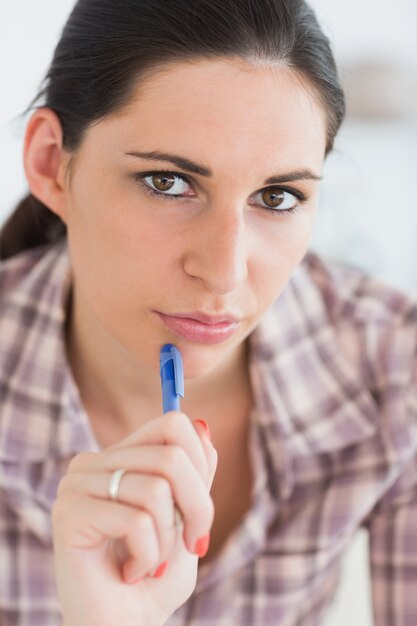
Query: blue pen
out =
(172, 383)
(172, 377)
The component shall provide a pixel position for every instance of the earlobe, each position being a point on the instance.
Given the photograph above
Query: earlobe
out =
(44, 160)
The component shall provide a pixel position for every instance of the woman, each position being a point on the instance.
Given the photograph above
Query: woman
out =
(174, 168)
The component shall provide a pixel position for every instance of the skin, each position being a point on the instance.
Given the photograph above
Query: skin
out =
(218, 250)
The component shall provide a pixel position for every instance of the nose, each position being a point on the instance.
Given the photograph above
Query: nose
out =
(217, 250)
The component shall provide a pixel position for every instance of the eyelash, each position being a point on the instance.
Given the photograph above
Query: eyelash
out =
(140, 176)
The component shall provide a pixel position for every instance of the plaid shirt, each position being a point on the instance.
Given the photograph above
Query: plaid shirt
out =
(333, 447)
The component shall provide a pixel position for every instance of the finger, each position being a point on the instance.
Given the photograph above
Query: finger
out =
(142, 491)
(172, 463)
(189, 490)
(171, 428)
(97, 520)
(167, 429)
(210, 451)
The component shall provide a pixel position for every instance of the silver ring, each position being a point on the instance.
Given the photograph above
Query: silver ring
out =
(114, 484)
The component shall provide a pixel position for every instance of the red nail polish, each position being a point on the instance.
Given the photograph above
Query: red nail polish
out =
(205, 426)
(202, 545)
(160, 571)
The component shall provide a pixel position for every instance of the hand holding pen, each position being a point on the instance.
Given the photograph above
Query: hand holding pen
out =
(119, 553)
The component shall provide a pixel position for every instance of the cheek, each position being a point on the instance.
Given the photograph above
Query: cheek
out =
(110, 233)
(277, 258)
(115, 267)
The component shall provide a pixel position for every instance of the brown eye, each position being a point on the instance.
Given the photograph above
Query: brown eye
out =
(273, 199)
(281, 200)
(162, 182)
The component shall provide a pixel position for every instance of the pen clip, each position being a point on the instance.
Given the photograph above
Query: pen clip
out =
(171, 353)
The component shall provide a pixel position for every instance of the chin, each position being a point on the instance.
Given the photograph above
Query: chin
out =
(201, 360)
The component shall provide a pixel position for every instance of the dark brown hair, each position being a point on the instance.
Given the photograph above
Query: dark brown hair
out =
(108, 46)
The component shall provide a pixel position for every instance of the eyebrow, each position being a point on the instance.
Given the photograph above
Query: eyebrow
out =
(201, 170)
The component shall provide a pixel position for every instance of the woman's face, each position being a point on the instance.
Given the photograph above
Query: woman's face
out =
(219, 242)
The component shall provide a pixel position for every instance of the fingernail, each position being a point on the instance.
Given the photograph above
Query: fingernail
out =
(202, 545)
(205, 426)
(160, 571)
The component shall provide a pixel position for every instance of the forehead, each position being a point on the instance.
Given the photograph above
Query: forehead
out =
(222, 104)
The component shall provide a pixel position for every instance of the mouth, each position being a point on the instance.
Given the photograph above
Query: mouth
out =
(200, 327)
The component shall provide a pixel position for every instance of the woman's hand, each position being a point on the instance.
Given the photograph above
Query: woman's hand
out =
(107, 552)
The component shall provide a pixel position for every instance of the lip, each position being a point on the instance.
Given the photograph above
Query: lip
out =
(206, 318)
(207, 329)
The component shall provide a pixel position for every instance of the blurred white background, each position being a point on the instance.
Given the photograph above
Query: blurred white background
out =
(368, 209)
(369, 201)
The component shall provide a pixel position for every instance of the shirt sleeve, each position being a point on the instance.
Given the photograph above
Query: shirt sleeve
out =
(392, 525)
(393, 557)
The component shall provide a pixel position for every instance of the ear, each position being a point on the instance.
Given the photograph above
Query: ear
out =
(45, 161)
